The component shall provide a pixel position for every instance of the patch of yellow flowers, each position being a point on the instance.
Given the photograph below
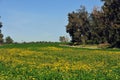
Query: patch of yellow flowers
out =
(65, 66)
(17, 56)
(51, 48)
(14, 55)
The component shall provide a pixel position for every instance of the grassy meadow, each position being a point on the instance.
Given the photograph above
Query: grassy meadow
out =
(50, 61)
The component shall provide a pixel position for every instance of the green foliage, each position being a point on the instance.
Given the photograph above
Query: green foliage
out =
(0, 24)
(8, 40)
(78, 26)
(1, 35)
(100, 26)
(1, 38)
(63, 39)
(111, 10)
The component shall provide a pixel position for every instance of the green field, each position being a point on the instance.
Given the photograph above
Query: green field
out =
(50, 61)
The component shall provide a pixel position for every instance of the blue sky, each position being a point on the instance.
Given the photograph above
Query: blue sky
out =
(39, 20)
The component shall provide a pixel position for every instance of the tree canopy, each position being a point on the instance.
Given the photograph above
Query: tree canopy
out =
(1, 35)
(8, 40)
(99, 26)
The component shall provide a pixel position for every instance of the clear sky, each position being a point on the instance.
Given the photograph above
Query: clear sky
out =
(39, 20)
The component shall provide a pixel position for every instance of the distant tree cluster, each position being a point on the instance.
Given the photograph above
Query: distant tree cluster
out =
(1, 35)
(63, 39)
(8, 40)
(98, 27)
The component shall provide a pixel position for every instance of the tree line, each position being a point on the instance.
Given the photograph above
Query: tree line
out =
(7, 40)
(100, 26)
